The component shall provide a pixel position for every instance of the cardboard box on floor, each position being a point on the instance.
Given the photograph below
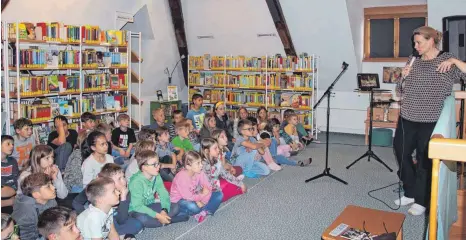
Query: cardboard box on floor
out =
(371, 220)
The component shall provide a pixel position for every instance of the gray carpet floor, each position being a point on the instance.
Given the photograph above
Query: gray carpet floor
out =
(282, 206)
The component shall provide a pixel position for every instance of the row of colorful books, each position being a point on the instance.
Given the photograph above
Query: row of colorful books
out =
(52, 58)
(59, 32)
(44, 110)
(274, 62)
(271, 81)
(92, 58)
(39, 85)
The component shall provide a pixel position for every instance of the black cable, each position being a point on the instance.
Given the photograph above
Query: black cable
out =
(402, 154)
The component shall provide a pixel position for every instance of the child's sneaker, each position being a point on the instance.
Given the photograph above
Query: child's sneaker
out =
(275, 167)
(200, 216)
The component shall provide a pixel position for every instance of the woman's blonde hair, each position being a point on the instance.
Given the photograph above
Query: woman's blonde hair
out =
(428, 33)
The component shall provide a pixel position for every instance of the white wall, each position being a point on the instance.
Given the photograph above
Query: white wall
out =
(438, 9)
(158, 53)
(234, 25)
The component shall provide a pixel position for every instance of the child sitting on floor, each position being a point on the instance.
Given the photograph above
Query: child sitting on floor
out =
(247, 152)
(133, 163)
(96, 222)
(41, 160)
(10, 173)
(192, 191)
(38, 196)
(213, 168)
(142, 186)
(58, 223)
(95, 155)
(166, 153)
(225, 153)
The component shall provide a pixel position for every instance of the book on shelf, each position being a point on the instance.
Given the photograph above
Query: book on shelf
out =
(37, 85)
(172, 93)
(63, 33)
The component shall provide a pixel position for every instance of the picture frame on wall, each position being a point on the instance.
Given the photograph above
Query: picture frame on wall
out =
(172, 93)
(392, 74)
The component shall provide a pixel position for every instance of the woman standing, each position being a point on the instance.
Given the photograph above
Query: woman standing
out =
(425, 85)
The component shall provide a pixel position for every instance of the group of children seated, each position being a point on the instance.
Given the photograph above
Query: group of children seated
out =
(118, 184)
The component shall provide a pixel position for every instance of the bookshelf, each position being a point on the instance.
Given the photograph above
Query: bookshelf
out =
(51, 69)
(272, 81)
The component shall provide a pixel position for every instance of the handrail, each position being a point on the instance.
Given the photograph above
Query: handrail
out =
(445, 150)
(443, 205)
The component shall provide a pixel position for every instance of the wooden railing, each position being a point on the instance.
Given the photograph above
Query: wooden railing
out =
(446, 150)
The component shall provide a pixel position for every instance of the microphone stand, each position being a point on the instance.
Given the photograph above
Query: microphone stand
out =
(327, 94)
(170, 75)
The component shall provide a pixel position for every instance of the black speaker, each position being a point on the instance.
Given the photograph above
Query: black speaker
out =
(454, 40)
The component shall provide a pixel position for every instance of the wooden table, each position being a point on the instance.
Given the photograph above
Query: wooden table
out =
(355, 216)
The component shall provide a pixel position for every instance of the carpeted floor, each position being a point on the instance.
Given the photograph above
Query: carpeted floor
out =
(282, 206)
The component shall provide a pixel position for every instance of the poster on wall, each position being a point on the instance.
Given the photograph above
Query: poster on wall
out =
(392, 74)
(172, 92)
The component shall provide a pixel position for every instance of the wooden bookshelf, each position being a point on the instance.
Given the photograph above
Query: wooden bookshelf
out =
(82, 41)
(274, 82)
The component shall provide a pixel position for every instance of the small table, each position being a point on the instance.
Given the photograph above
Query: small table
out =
(355, 216)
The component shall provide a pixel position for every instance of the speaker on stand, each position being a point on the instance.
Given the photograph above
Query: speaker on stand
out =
(454, 41)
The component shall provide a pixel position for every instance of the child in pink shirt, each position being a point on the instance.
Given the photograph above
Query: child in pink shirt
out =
(192, 190)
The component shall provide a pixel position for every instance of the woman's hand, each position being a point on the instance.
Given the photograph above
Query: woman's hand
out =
(445, 66)
(405, 71)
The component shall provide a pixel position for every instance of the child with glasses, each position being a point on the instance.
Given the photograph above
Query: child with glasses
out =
(142, 187)
(247, 151)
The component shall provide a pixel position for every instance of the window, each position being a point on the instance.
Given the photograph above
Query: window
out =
(388, 31)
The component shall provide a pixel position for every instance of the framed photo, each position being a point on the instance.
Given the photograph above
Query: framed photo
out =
(172, 92)
(392, 74)
(368, 81)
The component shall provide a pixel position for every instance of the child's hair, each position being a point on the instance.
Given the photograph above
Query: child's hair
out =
(34, 182)
(215, 135)
(37, 153)
(206, 144)
(190, 157)
(271, 123)
(260, 109)
(207, 118)
(96, 188)
(241, 123)
(154, 111)
(184, 124)
(287, 112)
(253, 120)
(53, 219)
(86, 116)
(176, 112)
(122, 117)
(196, 96)
(22, 122)
(6, 220)
(62, 118)
(144, 145)
(7, 137)
(110, 169)
(103, 128)
(160, 131)
(90, 141)
(146, 134)
(144, 156)
(290, 115)
(82, 136)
